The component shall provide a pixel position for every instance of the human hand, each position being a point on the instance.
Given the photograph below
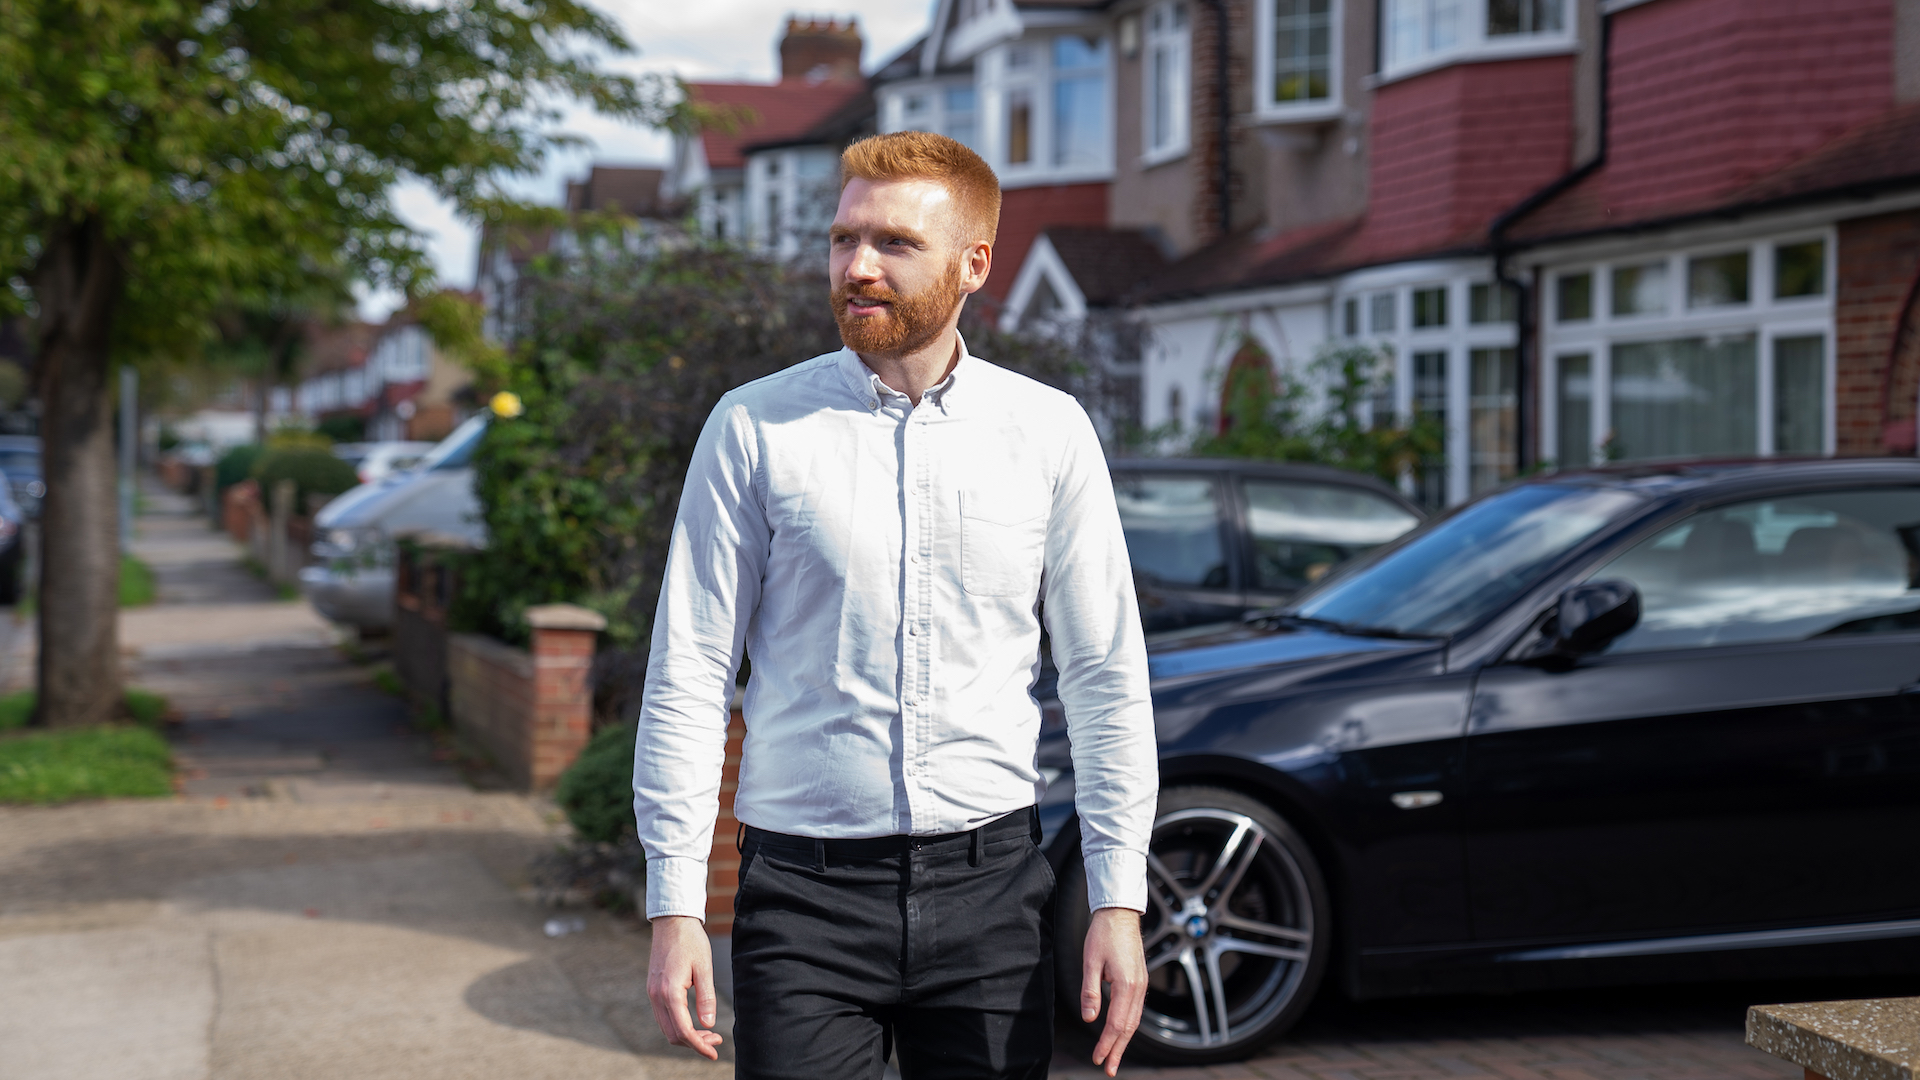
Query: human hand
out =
(1113, 956)
(683, 957)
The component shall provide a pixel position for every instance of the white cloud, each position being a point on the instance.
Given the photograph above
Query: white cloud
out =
(696, 39)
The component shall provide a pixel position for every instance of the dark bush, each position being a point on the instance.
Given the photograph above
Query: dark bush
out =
(596, 791)
(312, 470)
(343, 427)
(234, 466)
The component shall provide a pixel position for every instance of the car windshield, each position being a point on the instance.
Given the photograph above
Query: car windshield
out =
(456, 450)
(1466, 566)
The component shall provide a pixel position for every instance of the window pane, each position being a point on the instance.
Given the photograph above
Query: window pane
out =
(1302, 53)
(1491, 424)
(1430, 399)
(917, 108)
(1777, 570)
(1019, 127)
(959, 99)
(1350, 317)
(1574, 397)
(1687, 398)
(1380, 313)
(1160, 93)
(1800, 269)
(1301, 531)
(1446, 24)
(1717, 280)
(1172, 526)
(1573, 297)
(1640, 290)
(1490, 303)
(1406, 31)
(1524, 17)
(1429, 307)
(1080, 120)
(1071, 51)
(1799, 395)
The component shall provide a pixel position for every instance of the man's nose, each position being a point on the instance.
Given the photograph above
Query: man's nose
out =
(865, 265)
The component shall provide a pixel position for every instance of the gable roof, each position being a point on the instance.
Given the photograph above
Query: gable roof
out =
(1106, 264)
(780, 111)
(606, 187)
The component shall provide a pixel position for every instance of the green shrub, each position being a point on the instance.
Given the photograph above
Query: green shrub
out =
(145, 707)
(343, 427)
(234, 466)
(84, 763)
(313, 470)
(596, 791)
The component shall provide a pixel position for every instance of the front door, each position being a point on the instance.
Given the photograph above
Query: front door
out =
(1747, 758)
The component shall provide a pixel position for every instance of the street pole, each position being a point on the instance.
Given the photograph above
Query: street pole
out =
(129, 441)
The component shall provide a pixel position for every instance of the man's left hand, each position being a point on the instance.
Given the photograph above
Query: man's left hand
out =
(1113, 956)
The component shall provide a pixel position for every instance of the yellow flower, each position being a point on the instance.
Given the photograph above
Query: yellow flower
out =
(506, 405)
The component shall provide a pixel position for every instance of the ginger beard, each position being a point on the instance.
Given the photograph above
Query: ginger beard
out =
(906, 322)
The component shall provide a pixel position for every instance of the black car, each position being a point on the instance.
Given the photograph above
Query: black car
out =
(1212, 539)
(1619, 726)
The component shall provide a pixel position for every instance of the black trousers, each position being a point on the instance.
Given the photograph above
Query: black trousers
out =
(941, 944)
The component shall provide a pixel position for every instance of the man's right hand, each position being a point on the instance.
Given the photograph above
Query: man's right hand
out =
(683, 957)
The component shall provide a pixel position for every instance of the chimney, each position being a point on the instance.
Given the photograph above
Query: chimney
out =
(818, 52)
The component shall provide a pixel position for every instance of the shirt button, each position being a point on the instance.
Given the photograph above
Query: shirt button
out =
(913, 558)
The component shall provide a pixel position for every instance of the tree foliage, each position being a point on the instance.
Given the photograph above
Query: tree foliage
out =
(1269, 416)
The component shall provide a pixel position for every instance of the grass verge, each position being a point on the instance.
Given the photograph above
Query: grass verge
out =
(143, 707)
(137, 588)
(84, 763)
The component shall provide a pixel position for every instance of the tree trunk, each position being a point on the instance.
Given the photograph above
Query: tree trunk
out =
(78, 284)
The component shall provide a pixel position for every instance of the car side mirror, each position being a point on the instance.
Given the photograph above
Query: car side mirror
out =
(1592, 614)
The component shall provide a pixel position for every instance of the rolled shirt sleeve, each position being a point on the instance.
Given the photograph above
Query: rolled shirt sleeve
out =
(1099, 647)
(715, 566)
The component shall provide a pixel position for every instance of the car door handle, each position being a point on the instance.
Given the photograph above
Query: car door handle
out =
(1416, 800)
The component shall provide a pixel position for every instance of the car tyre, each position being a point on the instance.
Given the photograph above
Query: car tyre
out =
(1247, 946)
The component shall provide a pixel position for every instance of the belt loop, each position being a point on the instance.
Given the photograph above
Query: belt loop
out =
(1033, 823)
(973, 849)
(740, 838)
(819, 854)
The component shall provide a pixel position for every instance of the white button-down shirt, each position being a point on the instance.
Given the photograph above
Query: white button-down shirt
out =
(885, 566)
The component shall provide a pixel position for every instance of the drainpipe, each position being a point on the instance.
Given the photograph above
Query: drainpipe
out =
(1223, 105)
(1522, 289)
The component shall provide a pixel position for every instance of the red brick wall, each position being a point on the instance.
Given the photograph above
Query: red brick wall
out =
(1454, 147)
(1879, 269)
(530, 710)
(1707, 94)
(1024, 212)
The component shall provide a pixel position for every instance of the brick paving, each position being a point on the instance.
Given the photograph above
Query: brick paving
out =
(1632, 1033)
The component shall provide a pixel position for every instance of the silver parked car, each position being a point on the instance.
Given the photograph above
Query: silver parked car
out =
(352, 582)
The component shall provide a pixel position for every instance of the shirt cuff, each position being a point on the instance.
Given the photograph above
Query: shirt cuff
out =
(677, 885)
(1114, 879)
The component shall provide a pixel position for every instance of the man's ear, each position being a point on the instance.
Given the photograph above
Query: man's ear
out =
(975, 264)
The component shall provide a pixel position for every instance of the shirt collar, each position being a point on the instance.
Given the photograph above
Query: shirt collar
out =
(870, 391)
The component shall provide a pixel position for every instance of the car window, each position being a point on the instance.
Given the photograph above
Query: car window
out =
(1172, 524)
(1843, 562)
(1473, 562)
(456, 450)
(1301, 531)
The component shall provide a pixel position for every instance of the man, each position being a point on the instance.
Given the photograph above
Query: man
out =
(881, 530)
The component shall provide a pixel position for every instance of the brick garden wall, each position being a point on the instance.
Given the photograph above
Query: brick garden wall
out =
(723, 865)
(1879, 265)
(530, 710)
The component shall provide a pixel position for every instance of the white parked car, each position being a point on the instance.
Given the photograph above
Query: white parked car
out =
(373, 461)
(352, 582)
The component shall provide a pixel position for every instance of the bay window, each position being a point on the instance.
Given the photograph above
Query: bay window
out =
(1419, 34)
(1044, 114)
(945, 107)
(1713, 353)
(1166, 81)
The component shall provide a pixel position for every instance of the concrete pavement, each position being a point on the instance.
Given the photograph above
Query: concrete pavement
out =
(324, 899)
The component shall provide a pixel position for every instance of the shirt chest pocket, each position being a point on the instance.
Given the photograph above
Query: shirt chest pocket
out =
(1003, 539)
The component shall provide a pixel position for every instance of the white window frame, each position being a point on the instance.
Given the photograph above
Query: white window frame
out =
(1475, 43)
(1265, 108)
(1762, 316)
(1457, 339)
(892, 111)
(995, 81)
(1176, 41)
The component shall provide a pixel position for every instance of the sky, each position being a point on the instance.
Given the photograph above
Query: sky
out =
(700, 40)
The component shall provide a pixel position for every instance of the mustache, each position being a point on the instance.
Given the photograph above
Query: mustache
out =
(874, 294)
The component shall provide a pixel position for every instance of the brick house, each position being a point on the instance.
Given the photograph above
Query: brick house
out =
(1734, 185)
